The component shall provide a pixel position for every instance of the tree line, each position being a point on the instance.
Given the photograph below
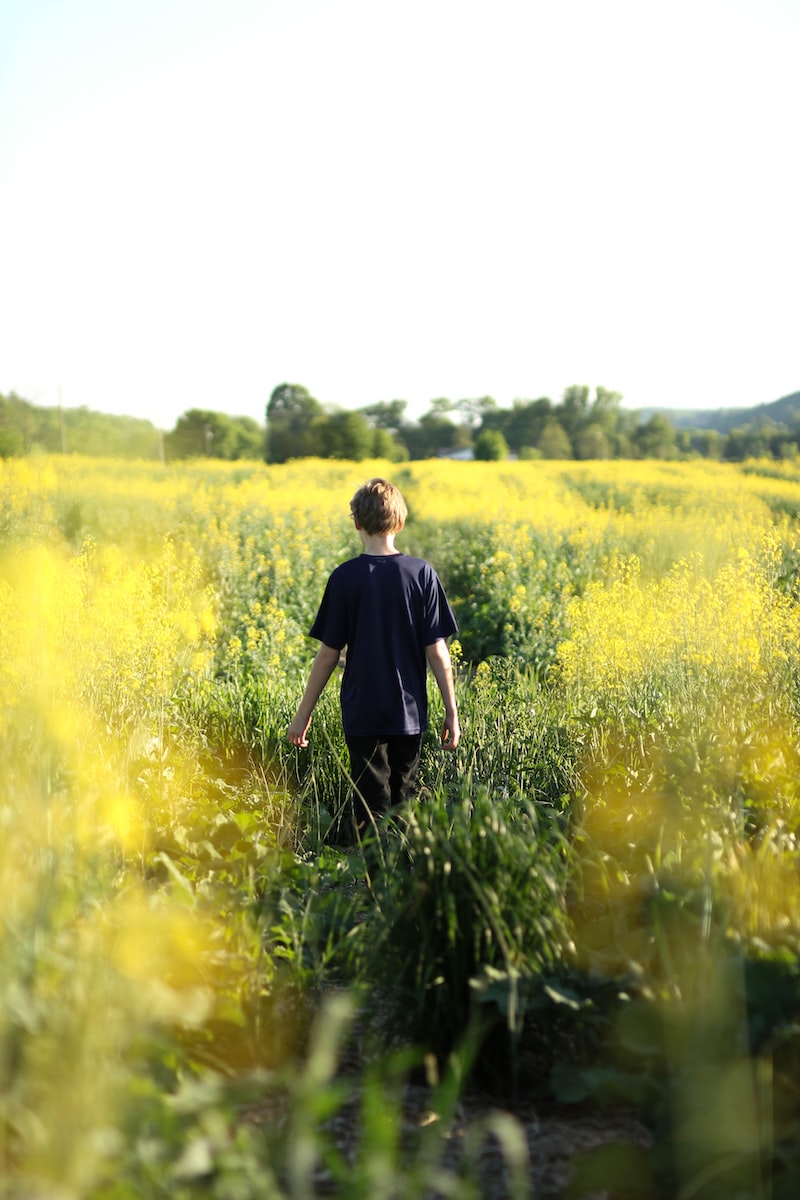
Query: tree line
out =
(582, 425)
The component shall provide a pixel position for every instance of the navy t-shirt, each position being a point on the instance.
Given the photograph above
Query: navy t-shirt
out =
(386, 609)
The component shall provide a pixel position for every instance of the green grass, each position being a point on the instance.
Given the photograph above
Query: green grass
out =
(598, 883)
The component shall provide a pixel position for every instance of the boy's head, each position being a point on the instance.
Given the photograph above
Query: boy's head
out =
(378, 507)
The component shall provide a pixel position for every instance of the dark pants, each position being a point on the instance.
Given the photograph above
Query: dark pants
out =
(384, 771)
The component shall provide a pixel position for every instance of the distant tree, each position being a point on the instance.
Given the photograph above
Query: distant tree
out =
(11, 442)
(249, 438)
(86, 432)
(15, 421)
(573, 412)
(427, 436)
(606, 414)
(200, 433)
(434, 432)
(778, 441)
(622, 441)
(292, 423)
(386, 415)
(592, 442)
(553, 441)
(385, 445)
(495, 418)
(606, 408)
(708, 443)
(193, 435)
(474, 412)
(656, 438)
(491, 446)
(764, 441)
(347, 435)
(737, 445)
(522, 424)
(16, 415)
(387, 420)
(783, 445)
(683, 443)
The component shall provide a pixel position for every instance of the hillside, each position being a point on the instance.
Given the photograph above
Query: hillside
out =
(25, 427)
(785, 411)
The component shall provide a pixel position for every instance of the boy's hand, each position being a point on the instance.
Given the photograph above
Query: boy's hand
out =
(451, 733)
(298, 730)
(321, 671)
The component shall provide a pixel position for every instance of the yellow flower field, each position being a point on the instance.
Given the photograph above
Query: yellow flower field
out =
(628, 664)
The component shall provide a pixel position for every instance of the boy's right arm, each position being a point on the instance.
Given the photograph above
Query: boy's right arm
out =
(321, 671)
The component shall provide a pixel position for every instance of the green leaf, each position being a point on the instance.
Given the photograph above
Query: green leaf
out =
(623, 1170)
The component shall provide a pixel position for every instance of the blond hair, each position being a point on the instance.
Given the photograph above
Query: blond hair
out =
(378, 507)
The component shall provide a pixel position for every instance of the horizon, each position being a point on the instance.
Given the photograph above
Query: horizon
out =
(441, 198)
(524, 400)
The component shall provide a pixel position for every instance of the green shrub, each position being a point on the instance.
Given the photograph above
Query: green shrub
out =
(468, 883)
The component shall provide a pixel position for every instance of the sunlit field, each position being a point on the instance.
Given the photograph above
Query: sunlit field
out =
(594, 903)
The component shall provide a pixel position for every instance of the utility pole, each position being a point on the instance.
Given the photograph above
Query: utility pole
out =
(61, 423)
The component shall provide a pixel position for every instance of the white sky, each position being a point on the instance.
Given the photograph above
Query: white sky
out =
(398, 199)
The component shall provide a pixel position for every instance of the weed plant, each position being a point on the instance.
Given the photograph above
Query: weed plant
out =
(469, 883)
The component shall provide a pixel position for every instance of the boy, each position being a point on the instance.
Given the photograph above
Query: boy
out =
(391, 613)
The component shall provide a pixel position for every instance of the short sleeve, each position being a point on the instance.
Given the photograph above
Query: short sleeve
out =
(330, 623)
(440, 621)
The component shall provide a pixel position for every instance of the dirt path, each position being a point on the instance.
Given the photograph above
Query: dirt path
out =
(552, 1141)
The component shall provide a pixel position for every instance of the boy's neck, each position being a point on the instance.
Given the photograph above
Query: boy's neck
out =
(378, 543)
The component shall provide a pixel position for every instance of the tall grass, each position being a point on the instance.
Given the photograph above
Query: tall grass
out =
(604, 875)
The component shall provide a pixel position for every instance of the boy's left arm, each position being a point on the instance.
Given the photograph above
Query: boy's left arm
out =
(438, 657)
